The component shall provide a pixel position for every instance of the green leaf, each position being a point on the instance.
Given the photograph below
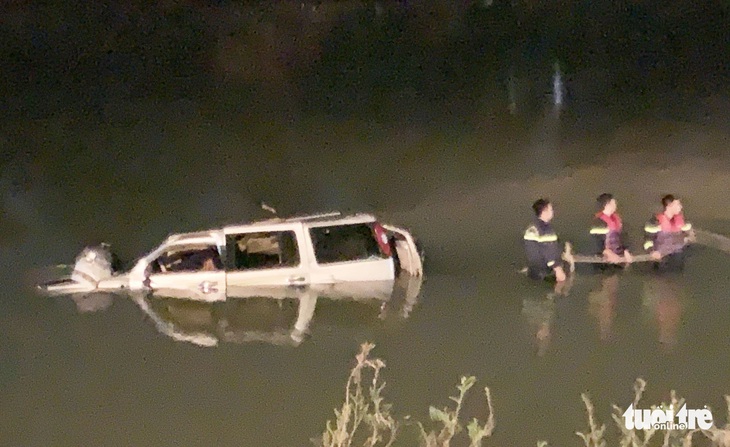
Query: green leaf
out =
(466, 383)
(438, 415)
(475, 430)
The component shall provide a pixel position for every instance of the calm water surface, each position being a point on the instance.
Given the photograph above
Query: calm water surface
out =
(130, 171)
(109, 377)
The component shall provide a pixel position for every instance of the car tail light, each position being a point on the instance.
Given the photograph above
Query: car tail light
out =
(382, 237)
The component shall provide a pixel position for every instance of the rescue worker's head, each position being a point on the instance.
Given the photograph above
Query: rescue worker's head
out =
(672, 205)
(606, 203)
(543, 209)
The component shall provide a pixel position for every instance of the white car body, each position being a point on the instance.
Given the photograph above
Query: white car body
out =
(329, 253)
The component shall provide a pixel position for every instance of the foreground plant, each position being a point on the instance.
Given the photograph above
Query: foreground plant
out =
(362, 407)
(365, 419)
(674, 435)
(450, 420)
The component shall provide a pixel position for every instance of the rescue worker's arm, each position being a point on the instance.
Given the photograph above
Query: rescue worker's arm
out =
(625, 244)
(625, 240)
(651, 230)
(532, 248)
(689, 232)
(557, 266)
(542, 249)
(550, 250)
(551, 253)
(599, 232)
(553, 256)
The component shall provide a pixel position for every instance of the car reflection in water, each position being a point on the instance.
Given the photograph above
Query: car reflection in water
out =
(92, 302)
(281, 316)
(85, 302)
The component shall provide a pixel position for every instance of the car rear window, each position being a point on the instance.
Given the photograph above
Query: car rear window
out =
(342, 243)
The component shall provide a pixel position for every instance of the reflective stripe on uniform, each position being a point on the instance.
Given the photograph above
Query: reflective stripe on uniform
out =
(545, 238)
(648, 245)
(551, 263)
(652, 228)
(687, 227)
(600, 230)
(533, 235)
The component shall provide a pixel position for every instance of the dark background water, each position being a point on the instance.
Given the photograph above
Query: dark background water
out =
(125, 122)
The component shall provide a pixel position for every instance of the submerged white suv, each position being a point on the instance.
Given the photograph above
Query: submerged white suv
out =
(334, 254)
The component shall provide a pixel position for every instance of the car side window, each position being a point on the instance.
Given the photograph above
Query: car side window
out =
(188, 259)
(270, 249)
(343, 243)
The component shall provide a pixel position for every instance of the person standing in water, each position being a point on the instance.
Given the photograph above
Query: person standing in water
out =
(541, 245)
(607, 232)
(667, 234)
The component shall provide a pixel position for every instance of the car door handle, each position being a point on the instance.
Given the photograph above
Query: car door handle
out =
(297, 280)
(208, 287)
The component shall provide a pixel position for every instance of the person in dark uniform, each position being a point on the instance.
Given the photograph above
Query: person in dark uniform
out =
(607, 233)
(541, 245)
(667, 234)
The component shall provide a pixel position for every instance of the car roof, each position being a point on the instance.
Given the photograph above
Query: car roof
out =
(198, 237)
(309, 220)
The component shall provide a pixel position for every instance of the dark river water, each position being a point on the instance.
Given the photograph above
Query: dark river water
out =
(460, 173)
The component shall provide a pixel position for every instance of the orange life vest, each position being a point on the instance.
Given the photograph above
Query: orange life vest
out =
(613, 238)
(613, 221)
(670, 238)
(673, 225)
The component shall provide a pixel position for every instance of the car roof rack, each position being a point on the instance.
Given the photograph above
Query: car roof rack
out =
(315, 216)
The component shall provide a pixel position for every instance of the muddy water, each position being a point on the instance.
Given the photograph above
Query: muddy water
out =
(461, 173)
(107, 376)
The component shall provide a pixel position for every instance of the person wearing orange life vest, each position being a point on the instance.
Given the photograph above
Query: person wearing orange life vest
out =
(667, 234)
(607, 231)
